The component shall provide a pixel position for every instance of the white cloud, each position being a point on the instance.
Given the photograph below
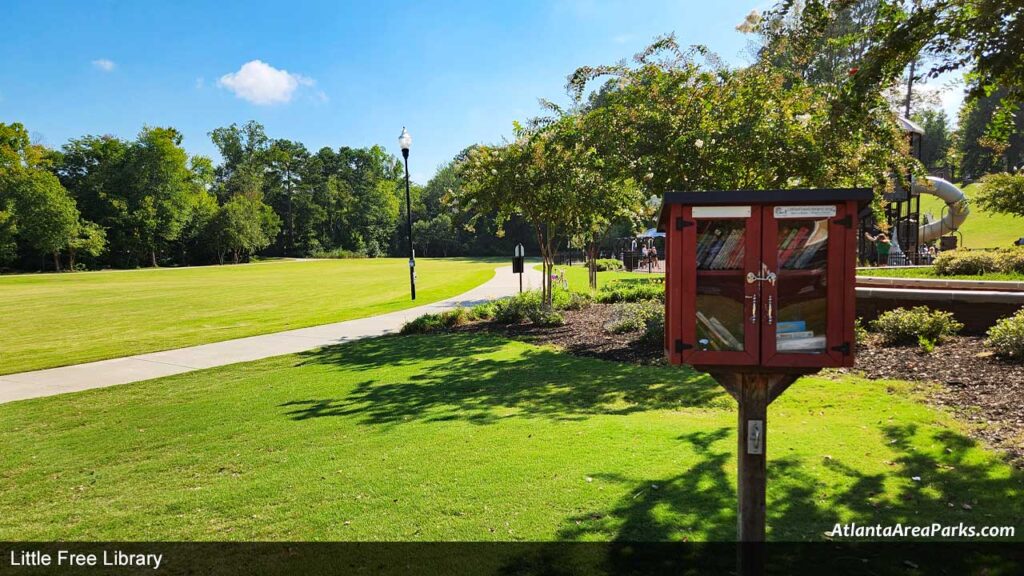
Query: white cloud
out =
(104, 65)
(262, 84)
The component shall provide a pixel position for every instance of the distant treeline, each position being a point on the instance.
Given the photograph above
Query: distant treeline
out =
(102, 201)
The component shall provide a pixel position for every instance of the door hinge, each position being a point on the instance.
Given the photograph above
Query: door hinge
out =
(683, 223)
(845, 221)
(680, 346)
(844, 348)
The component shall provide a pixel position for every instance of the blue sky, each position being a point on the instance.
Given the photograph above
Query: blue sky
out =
(326, 73)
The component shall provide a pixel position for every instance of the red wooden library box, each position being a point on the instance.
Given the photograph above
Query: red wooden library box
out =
(761, 278)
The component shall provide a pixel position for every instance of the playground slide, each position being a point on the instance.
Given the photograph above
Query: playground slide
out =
(952, 218)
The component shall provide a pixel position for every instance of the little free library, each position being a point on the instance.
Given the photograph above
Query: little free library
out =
(759, 290)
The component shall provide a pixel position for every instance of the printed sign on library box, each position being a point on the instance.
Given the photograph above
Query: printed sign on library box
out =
(805, 211)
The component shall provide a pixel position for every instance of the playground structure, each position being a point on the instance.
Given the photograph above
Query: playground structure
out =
(902, 208)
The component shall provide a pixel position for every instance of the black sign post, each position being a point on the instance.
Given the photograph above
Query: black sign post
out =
(517, 264)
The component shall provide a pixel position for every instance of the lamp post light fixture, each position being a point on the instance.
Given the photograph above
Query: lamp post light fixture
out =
(405, 141)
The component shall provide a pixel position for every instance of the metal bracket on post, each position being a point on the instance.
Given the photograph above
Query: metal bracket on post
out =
(755, 436)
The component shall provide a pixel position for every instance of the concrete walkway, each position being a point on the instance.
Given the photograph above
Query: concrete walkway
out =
(157, 364)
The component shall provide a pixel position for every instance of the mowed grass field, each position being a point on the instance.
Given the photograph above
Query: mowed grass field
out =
(981, 229)
(577, 278)
(59, 319)
(474, 437)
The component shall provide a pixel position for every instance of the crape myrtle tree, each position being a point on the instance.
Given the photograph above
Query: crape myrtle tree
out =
(527, 176)
(669, 122)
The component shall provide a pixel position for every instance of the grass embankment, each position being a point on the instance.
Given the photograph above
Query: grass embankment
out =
(930, 273)
(473, 437)
(59, 319)
(981, 229)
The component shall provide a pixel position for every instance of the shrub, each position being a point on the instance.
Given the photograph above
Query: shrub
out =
(436, 322)
(1011, 260)
(1007, 337)
(517, 308)
(966, 262)
(340, 253)
(570, 300)
(654, 332)
(632, 291)
(542, 317)
(902, 326)
(483, 311)
(633, 316)
(608, 264)
(422, 325)
(860, 333)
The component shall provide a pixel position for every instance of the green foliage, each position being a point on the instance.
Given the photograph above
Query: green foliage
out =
(338, 253)
(1002, 193)
(634, 316)
(608, 265)
(542, 316)
(1011, 260)
(979, 262)
(927, 345)
(517, 308)
(1007, 337)
(46, 216)
(902, 326)
(243, 226)
(631, 291)
(446, 320)
(936, 142)
(860, 333)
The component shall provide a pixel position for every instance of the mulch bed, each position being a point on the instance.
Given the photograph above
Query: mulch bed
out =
(980, 388)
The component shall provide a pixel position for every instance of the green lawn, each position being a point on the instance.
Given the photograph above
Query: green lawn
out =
(930, 273)
(472, 437)
(578, 279)
(981, 229)
(58, 319)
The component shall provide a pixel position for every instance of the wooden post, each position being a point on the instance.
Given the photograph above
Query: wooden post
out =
(753, 391)
(751, 476)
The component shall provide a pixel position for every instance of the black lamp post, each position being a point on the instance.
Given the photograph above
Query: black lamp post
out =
(405, 141)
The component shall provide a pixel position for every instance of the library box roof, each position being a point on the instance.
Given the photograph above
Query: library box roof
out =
(793, 196)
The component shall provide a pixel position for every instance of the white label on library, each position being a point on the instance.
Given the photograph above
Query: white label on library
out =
(721, 211)
(805, 211)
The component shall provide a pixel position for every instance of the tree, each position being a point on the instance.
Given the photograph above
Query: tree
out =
(1002, 193)
(244, 150)
(936, 141)
(991, 135)
(47, 219)
(243, 226)
(157, 184)
(286, 159)
(88, 238)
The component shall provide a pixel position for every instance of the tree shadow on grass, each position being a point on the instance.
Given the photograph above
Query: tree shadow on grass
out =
(475, 378)
(801, 507)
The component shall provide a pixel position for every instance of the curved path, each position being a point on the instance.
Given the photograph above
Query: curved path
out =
(157, 364)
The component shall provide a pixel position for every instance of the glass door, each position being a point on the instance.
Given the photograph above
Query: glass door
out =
(721, 309)
(803, 306)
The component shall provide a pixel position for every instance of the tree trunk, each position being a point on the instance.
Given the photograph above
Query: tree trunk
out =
(56, 260)
(592, 265)
(235, 254)
(152, 258)
(71, 259)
